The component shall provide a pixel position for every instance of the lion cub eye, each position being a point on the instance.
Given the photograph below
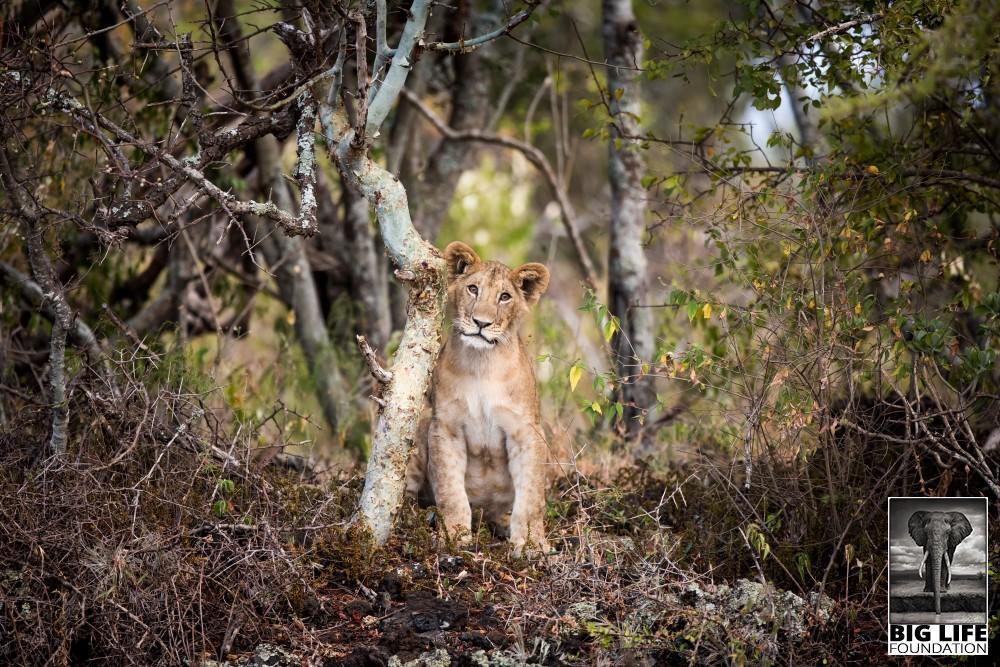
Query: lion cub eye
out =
(473, 290)
(504, 297)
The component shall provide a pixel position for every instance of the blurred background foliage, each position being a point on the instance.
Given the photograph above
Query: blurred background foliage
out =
(822, 196)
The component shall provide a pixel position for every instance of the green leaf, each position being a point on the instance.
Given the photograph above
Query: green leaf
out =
(692, 310)
(220, 507)
(610, 327)
(671, 183)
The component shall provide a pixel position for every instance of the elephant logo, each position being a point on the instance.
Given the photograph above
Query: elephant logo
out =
(939, 533)
(938, 560)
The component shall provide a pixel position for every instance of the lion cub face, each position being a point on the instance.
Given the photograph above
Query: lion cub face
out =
(488, 299)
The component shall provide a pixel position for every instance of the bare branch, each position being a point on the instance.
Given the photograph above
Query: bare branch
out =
(402, 62)
(537, 158)
(292, 225)
(467, 45)
(379, 373)
(842, 27)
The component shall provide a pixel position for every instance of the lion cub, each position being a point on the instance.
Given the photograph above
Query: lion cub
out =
(484, 447)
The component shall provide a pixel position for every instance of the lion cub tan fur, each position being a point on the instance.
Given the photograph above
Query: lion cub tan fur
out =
(484, 449)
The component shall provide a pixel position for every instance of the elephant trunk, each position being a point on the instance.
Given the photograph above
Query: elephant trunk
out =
(937, 552)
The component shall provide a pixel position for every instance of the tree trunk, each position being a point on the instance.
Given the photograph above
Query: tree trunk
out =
(286, 256)
(369, 281)
(470, 107)
(633, 344)
(419, 264)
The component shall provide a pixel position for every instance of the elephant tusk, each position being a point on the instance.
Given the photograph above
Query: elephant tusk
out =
(948, 562)
(920, 570)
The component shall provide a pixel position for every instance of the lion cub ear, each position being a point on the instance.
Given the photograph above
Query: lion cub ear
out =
(532, 279)
(460, 259)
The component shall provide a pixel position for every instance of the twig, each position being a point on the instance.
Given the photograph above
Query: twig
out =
(467, 45)
(842, 27)
(380, 374)
(127, 330)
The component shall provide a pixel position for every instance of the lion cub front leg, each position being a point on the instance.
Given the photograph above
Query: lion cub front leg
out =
(526, 458)
(447, 460)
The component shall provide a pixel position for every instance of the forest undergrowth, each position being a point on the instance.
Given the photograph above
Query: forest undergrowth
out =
(167, 535)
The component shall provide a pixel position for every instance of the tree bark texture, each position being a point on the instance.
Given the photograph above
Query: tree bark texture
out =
(52, 291)
(418, 263)
(627, 280)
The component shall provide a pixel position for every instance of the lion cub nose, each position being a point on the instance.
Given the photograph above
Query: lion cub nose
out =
(482, 323)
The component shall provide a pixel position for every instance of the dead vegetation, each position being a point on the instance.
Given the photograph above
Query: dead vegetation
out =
(160, 539)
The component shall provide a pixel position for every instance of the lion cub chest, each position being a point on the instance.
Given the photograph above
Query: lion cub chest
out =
(478, 411)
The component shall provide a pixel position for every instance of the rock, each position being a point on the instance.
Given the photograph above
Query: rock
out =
(436, 658)
(495, 659)
(268, 655)
(754, 614)
(584, 610)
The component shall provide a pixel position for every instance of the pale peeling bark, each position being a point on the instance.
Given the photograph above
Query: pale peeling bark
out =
(419, 264)
(52, 292)
(627, 281)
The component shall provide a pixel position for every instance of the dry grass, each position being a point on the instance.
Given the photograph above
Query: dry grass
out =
(166, 538)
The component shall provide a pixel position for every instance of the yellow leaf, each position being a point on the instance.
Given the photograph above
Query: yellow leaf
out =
(857, 309)
(596, 407)
(873, 170)
(619, 92)
(707, 311)
(925, 256)
(574, 377)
